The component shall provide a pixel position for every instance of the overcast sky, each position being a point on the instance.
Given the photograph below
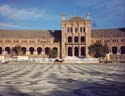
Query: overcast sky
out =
(46, 14)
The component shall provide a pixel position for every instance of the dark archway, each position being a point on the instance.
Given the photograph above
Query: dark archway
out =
(69, 39)
(24, 50)
(76, 39)
(122, 50)
(47, 50)
(0, 50)
(76, 51)
(69, 51)
(31, 49)
(39, 50)
(82, 39)
(114, 50)
(82, 51)
(7, 49)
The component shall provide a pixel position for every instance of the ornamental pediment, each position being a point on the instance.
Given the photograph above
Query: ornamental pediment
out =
(44, 41)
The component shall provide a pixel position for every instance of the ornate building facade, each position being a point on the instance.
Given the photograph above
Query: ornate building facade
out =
(73, 40)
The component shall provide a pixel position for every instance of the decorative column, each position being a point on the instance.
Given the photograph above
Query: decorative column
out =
(35, 52)
(27, 52)
(43, 53)
(3, 52)
(79, 51)
(72, 50)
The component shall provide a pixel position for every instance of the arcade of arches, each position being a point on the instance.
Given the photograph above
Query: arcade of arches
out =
(116, 50)
(32, 51)
(76, 51)
(79, 52)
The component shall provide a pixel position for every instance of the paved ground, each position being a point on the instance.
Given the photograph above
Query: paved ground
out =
(62, 80)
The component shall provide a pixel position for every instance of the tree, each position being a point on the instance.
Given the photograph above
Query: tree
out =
(98, 50)
(53, 53)
(17, 50)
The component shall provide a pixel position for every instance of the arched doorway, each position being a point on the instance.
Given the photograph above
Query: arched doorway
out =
(0, 50)
(69, 51)
(82, 51)
(24, 50)
(76, 51)
(31, 49)
(39, 50)
(114, 50)
(47, 50)
(7, 49)
(122, 50)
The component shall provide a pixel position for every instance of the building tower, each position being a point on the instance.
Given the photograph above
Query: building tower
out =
(76, 36)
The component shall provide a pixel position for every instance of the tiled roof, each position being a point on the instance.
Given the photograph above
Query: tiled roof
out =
(56, 34)
(109, 32)
(30, 34)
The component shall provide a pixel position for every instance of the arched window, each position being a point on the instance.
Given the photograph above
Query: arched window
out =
(75, 39)
(76, 51)
(76, 30)
(80, 29)
(82, 39)
(82, 51)
(68, 29)
(7, 49)
(0, 50)
(39, 50)
(24, 50)
(71, 29)
(122, 50)
(47, 50)
(69, 51)
(84, 29)
(69, 39)
(114, 50)
(31, 49)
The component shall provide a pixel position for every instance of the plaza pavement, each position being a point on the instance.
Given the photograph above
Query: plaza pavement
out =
(62, 79)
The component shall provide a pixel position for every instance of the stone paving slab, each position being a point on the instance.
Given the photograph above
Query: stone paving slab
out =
(62, 79)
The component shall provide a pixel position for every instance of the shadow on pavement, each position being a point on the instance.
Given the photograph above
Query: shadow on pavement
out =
(70, 87)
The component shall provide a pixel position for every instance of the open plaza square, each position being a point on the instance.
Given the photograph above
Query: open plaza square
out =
(62, 48)
(28, 79)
